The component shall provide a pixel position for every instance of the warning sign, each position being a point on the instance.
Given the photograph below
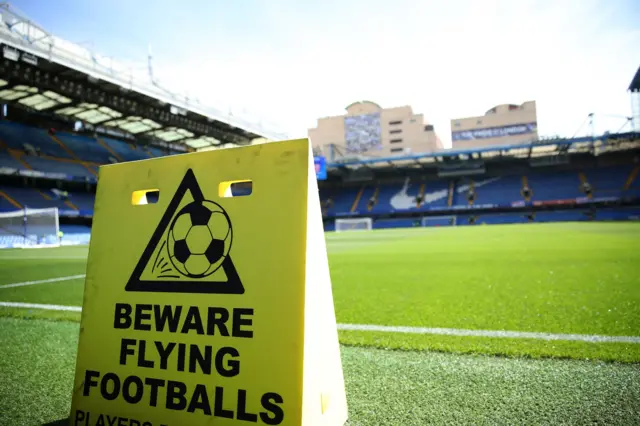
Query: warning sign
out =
(206, 308)
(192, 240)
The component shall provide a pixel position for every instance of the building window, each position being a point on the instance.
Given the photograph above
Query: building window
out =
(395, 131)
(428, 128)
(456, 124)
(395, 141)
(396, 149)
(479, 122)
(393, 123)
(413, 120)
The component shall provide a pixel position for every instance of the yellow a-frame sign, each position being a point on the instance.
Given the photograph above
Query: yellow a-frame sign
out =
(205, 308)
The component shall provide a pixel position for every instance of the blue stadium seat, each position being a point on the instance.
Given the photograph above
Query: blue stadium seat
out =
(53, 166)
(436, 195)
(499, 190)
(6, 160)
(386, 191)
(16, 135)
(75, 229)
(124, 150)
(609, 181)
(86, 148)
(363, 204)
(343, 200)
(555, 186)
(83, 201)
(157, 152)
(6, 205)
(33, 198)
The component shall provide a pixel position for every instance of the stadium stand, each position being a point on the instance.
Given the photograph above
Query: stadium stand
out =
(85, 148)
(25, 138)
(500, 190)
(125, 151)
(521, 195)
(58, 166)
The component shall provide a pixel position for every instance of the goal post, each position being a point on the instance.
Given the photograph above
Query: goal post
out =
(30, 228)
(439, 221)
(354, 224)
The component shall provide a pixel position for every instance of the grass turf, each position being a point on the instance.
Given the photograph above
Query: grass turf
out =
(554, 278)
(383, 387)
(557, 278)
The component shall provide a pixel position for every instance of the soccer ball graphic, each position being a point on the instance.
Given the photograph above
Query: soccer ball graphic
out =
(199, 239)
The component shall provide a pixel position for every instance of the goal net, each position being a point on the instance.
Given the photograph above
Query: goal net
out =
(439, 221)
(29, 228)
(359, 224)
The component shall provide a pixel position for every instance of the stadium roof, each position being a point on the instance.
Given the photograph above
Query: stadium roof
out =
(46, 73)
(608, 142)
(635, 83)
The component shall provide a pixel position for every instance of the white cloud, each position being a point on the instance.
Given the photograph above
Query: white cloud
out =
(445, 59)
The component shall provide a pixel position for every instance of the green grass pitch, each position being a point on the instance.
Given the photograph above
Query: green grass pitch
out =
(579, 279)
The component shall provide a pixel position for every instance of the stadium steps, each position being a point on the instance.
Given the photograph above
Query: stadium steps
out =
(71, 205)
(67, 203)
(525, 184)
(375, 197)
(45, 195)
(354, 206)
(470, 201)
(583, 180)
(421, 195)
(108, 148)
(138, 150)
(632, 177)
(85, 164)
(17, 155)
(452, 191)
(71, 153)
(10, 200)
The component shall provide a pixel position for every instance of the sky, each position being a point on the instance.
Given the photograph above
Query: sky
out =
(293, 61)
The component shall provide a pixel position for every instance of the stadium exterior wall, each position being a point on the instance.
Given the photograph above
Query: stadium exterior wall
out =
(369, 130)
(502, 125)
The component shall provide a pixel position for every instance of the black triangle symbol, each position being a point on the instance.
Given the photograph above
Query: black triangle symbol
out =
(233, 285)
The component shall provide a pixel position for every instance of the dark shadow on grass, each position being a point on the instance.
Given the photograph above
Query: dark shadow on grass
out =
(61, 422)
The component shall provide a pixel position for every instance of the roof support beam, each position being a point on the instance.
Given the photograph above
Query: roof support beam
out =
(127, 104)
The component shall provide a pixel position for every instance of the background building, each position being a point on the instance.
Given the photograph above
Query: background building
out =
(369, 130)
(503, 124)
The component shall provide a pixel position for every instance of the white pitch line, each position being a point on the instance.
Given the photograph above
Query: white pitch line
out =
(39, 306)
(591, 338)
(47, 281)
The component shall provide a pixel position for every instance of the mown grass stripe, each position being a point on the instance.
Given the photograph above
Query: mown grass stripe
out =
(47, 281)
(41, 306)
(591, 338)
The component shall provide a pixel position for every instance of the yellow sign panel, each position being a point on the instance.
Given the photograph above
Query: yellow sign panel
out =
(207, 308)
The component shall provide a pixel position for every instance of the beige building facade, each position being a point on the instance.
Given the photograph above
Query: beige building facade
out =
(502, 125)
(368, 130)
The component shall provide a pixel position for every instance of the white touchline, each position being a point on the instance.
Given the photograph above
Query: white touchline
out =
(592, 338)
(39, 306)
(47, 281)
